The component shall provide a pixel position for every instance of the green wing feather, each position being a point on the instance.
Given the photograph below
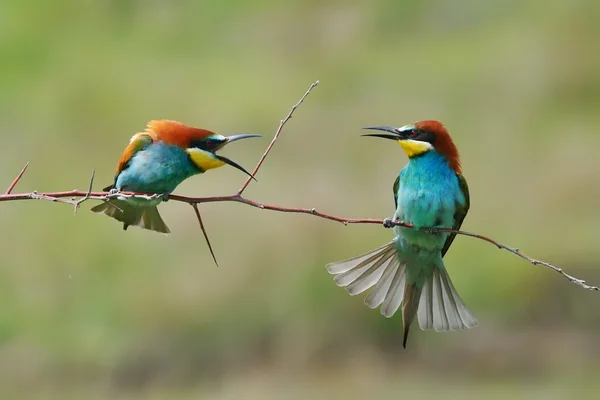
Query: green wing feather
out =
(138, 142)
(460, 214)
(395, 188)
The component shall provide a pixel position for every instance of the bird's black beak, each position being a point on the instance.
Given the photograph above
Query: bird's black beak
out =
(226, 160)
(233, 138)
(234, 165)
(395, 134)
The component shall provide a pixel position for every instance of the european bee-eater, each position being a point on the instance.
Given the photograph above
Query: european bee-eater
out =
(156, 161)
(430, 191)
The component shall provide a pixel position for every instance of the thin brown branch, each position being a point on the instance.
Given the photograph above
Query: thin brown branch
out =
(17, 179)
(276, 136)
(519, 253)
(68, 197)
(76, 197)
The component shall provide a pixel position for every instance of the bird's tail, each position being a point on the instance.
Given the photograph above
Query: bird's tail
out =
(143, 217)
(433, 298)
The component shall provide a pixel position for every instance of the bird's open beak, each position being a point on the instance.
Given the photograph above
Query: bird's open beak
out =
(395, 133)
(241, 136)
(234, 165)
(226, 160)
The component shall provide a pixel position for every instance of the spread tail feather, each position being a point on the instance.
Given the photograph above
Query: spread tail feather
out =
(130, 215)
(441, 308)
(410, 305)
(380, 269)
(436, 303)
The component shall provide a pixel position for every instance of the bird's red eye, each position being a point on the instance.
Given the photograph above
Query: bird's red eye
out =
(413, 134)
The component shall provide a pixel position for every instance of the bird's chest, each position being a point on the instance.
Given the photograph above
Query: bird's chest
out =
(428, 196)
(158, 168)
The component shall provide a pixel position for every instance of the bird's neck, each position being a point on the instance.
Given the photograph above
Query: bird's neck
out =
(414, 148)
(429, 161)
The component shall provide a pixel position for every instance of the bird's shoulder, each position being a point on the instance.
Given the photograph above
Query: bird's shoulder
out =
(138, 142)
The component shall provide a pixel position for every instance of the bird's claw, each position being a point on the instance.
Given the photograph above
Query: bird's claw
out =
(388, 223)
(159, 196)
(113, 192)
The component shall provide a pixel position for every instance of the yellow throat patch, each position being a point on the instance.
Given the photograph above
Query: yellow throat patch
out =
(414, 147)
(203, 159)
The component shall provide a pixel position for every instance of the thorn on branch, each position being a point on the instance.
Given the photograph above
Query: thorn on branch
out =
(17, 179)
(197, 211)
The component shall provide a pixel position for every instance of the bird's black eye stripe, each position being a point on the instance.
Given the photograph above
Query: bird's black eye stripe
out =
(204, 144)
(423, 136)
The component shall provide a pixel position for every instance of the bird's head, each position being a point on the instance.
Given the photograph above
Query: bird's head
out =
(200, 144)
(203, 151)
(420, 138)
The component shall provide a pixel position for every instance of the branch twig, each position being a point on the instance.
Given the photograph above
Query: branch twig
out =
(87, 195)
(276, 136)
(76, 197)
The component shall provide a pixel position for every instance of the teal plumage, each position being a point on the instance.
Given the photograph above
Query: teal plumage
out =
(159, 168)
(428, 196)
(409, 271)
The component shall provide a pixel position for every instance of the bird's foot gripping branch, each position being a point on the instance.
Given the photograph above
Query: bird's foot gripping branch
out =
(76, 197)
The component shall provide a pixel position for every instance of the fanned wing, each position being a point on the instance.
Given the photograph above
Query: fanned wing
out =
(138, 142)
(395, 188)
(460, 214)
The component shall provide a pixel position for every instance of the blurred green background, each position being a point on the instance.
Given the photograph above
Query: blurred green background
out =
(88, 311)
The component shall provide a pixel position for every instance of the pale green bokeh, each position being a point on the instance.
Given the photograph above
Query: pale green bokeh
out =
(89, 311)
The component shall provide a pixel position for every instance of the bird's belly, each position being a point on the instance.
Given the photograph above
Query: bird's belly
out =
(159, 168)
(425, 208)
